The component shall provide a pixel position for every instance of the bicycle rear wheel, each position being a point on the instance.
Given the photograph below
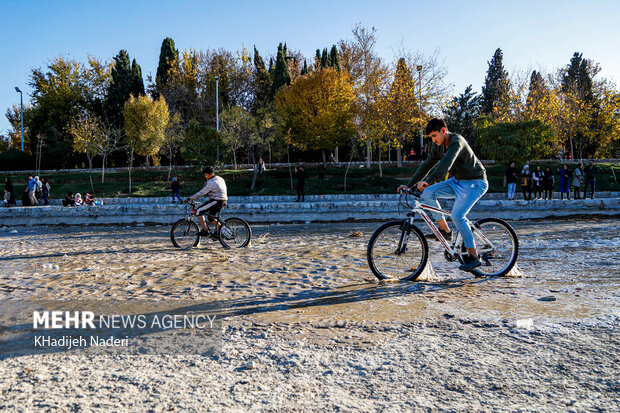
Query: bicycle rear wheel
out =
(386, 258)
(498, 247)
(235, 233)
(184, 234)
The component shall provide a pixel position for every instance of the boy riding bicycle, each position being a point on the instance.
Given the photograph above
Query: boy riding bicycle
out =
(215, 188)
(450, 152)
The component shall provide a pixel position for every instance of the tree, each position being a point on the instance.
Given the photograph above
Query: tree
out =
(137, 88)
(495, 92)
(317, 110)
(400, 110)
(333, 58)
(145, 124)
(281, 75)
(236, 129)
(168, 56)
(261, 82)
(461, 113)
(200, 143)
(122, 84)
(94, 137)
(369, 76)
(517, 142)
(172, 139)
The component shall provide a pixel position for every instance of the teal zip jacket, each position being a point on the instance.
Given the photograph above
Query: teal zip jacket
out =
(458, 159)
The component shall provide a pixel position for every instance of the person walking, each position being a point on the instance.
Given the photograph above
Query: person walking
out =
(9, 195)
(578, 180)
(32, 191)
(175, 186)
(565, 175)
(45, 191)
(300, 174)
(511, 180)
(548, 183)
(537, 182)
(526, 182)
(590, 173)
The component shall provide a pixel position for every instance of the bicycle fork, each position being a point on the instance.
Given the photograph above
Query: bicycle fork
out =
(404, 236)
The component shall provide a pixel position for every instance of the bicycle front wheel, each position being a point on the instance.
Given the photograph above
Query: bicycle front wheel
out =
(184, 234)
(387, 257)
(498, 247)
(235, 233)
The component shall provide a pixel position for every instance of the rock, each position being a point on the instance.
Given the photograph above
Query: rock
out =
(548, 298)
(525, 323)
(249, 365)
(14, 231)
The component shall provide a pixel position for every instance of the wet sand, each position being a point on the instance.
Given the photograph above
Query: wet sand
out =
(309, 328)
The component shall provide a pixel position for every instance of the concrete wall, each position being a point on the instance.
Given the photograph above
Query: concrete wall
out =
(333, 208)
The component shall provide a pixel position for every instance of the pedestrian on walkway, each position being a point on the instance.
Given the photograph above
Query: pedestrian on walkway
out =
(45, 191)
(578, 180)
(537, 182)
(548, 183)
(9, 195)
(32, 191)
(511, 180)
(300, 174)
(526, 182)
(565, 175)
(175, 186)
(590, 173)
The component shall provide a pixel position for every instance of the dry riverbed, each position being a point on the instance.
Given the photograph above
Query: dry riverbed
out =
(307, 328)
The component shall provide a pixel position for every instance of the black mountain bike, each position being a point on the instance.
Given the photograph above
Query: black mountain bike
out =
(232, 232)
(399, 250)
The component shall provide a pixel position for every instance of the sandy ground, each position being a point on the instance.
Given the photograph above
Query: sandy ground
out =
(307, 328)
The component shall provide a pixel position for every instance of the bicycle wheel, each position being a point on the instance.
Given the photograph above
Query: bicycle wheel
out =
(497, 245)
(235, 233)
(384, 258)
(184, 234)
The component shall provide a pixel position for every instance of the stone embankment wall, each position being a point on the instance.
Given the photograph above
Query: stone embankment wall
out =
(283, 209)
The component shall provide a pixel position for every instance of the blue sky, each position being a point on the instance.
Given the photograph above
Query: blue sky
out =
(533, 34)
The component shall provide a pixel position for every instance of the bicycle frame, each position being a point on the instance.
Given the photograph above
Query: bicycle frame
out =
(420, 208)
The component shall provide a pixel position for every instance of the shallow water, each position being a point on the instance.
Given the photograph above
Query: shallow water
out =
(319, 273)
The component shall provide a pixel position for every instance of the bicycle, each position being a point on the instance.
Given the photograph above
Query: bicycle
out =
(399, 250)
(232, 232)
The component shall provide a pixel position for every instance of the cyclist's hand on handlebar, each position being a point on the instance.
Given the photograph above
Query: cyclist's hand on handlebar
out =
(402, 189)
(422, 185)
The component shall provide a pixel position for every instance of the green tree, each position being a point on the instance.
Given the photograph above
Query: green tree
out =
(168, 56)
(333, 58)
(137, 81)
(281, 75)
(261, 81)
(304, 71)
(200, 143)
(236, 127)
(517, 142)
(461, 113)
(495, 92)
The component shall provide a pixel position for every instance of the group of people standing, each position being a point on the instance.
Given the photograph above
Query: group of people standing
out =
(539, 184)
(34, 191)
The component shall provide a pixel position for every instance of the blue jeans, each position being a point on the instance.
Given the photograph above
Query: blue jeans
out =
(176, 194)
(466, 193)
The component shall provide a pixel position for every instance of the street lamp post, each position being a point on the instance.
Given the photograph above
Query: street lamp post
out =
(217, 112)
(419, 67)
(21, 101)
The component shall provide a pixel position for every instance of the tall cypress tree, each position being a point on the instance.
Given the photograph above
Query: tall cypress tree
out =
(137, 81)
(324, 58)
(333, 57)
(281, 76)
(496, 85)
(578, 78)
(262, 81)
(304, 70)
(461, 113)
(121, 86)
(168, 55)
(317, 59)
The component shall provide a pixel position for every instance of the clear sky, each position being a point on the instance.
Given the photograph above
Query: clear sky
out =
(537, 34)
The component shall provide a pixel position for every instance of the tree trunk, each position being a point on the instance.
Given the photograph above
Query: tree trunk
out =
(90, 161)
(130, 166)
(290, 171)
(399, 156)
(368, 153)
(336, 154)
(324, 158)
(103, 169)
(572, 154)
(347, 171)
(234, 158)
(380, 169)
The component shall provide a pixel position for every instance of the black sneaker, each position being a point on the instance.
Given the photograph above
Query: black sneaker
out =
(446, 235)
(204, 233)
(470, 263)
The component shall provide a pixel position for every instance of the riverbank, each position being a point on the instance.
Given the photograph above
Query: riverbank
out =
(307, 325)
